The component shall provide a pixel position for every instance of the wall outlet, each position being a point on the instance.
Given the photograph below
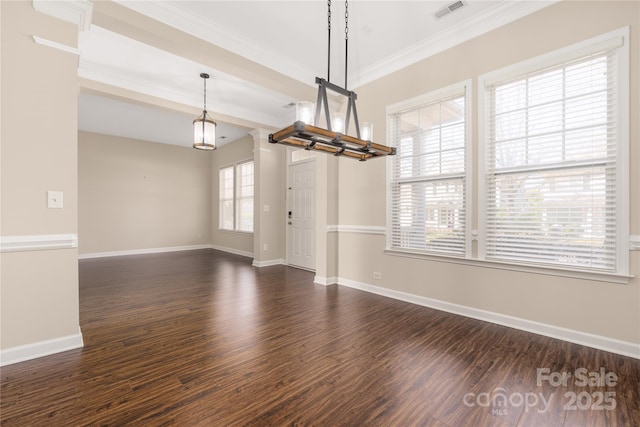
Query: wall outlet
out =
(377, 275)
(265, 247)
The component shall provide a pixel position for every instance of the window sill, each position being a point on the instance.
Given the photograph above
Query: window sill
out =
(548, 271)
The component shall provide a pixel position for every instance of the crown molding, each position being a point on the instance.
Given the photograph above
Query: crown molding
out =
(496, 17)
(174, 16)
(77, 12)
(97, 68)
(56, 45)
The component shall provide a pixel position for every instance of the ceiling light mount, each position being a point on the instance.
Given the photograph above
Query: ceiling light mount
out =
(204, 128)
(333, 139)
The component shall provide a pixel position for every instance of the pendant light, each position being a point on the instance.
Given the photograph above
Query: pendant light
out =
(332, 139)
(204, 128)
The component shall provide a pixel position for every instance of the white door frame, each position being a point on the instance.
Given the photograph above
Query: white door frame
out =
(311, 159)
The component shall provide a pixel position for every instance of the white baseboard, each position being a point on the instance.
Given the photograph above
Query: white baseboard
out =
(40, 349)
(269, 262)
(325, 281)
(143, 251)
(612, 345)
(232, 251)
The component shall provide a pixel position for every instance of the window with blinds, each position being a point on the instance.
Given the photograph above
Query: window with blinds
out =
(244, 210)
(225, 205)
(428, 206)
(236, 197)
(552, 151)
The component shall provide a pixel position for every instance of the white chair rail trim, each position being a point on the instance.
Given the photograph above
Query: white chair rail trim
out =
(39, 242)
(360, 229)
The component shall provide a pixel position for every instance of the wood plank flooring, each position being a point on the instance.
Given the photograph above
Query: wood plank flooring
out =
(203, 338)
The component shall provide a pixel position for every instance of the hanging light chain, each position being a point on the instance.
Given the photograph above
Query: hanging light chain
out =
(346, 20)
(204, 77)
(205, 94)
(328, 40)
(346, 40)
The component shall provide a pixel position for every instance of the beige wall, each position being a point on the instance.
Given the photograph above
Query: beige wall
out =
(269, 241)
(136, 194)
(327, 181)
(604, 309)
(228, 155)
(40, 82)
(38, 289)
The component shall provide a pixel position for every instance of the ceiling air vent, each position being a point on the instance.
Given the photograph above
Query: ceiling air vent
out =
(448, 9)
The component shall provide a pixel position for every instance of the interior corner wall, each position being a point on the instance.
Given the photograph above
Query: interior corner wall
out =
(141, 195)
(590, 307)
(269, 244)
(327, 183)
(228, 155)
(38, 288)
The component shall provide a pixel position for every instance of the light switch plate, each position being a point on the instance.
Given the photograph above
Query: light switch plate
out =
(54, 199)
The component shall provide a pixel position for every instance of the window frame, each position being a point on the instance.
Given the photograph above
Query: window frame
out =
(478, 147)
(222, 200)
(463, 88)
(236, 168)
(239, 198)
(617, 40)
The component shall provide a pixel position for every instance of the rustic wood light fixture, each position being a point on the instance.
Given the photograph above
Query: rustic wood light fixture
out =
(332, 140)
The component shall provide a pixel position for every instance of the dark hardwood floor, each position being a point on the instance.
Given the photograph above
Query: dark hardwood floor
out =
(203, 338)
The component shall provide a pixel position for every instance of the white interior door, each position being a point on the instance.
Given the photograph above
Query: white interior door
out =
(301, 246)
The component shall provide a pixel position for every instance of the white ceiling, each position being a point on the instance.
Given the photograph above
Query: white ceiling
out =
(289, 37)
(113, 117)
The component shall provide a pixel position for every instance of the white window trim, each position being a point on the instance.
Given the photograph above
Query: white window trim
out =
(465, 87)
(235, 165)
(613, 39)
(220, 169)
(238, 198)
(619, 37)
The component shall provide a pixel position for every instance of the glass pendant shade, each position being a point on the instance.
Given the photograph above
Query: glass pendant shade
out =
(337, 122)
(305, 112)
(204, 132)
(366, 131)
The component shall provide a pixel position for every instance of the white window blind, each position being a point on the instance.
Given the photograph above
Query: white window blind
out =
(236, 197)
(551, 165)
(225, 217)
(244, 209)
(428, 177)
